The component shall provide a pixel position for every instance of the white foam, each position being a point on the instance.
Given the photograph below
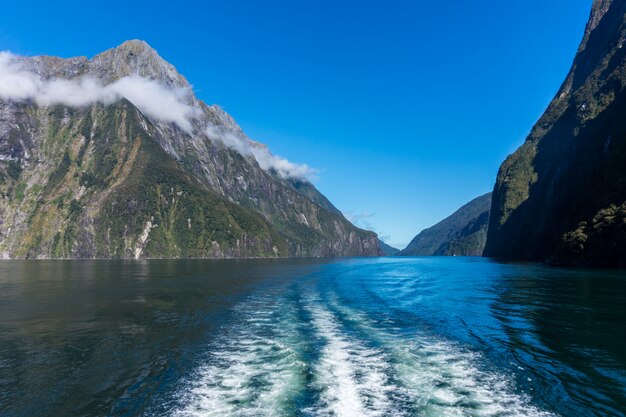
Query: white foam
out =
(254, 371)
(351, 377)
(441, 379)
(362, 369)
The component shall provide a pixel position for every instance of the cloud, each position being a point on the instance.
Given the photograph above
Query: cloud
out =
(358, 218)
(362, 220)
(153, 99)
(158, 101)
(285, 169)
(266, 160)
(149, 96)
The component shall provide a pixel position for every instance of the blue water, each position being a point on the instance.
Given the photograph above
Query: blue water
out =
(355, 337)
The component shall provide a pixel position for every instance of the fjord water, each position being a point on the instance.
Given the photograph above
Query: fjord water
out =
(354, 337)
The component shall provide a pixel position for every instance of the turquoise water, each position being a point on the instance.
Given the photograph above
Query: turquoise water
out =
(355, 337)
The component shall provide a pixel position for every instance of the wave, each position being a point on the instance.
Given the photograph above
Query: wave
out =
(313, 355)
(439, 377)
(254, 369)
(351, 377)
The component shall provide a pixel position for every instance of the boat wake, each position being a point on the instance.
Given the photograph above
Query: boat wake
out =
(293, 355)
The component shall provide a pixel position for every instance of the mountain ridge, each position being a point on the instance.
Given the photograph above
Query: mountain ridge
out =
(463, 233)
(561, 196)
(43, 131)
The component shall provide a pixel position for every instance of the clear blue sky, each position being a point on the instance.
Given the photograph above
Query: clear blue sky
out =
(407, 108)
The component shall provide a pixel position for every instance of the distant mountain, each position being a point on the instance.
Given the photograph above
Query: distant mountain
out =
(387, 250)
(461, 234)
(114, 156)
(562, 195)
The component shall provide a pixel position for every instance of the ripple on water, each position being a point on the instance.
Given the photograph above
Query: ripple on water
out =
(259, 367)
(254, 370)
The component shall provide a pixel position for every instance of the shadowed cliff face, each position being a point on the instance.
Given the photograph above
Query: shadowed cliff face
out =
(561, 195)
(115, 157)
(461, 234)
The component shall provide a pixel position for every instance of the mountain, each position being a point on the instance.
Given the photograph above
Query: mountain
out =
(387, 250)
(114, 156)
(561, 196)
(461, 234)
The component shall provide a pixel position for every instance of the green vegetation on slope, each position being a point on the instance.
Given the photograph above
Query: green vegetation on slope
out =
(461, 234)
(179, 217)
(121, 195)
(387, 250)
(572, 166)
(101, 181)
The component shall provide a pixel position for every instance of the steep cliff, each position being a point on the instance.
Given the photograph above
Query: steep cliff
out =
(561, 195)
(461, 234)
(387, 250)
(114, 156)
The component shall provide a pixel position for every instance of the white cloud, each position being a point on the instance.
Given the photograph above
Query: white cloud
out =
(153, 99)
(266, 160)
(284, 168)
(362, 220)
(15, 84)
(150, 97)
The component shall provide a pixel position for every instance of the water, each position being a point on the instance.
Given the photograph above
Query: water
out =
(357, 337)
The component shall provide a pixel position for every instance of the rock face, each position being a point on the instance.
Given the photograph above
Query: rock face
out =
(461, 234)
(561, 196)
(115, 157)
(387, 250)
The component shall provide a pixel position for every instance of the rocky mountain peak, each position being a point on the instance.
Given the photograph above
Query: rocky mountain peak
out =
(598, 10)
(83, 171)
(135, 57)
